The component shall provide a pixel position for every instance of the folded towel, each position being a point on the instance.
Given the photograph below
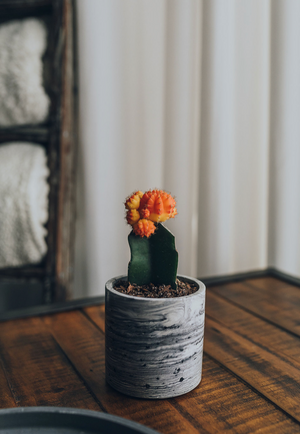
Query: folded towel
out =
(22, 97)
(23, 204)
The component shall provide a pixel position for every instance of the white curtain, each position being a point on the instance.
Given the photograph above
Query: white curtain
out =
(201, 98)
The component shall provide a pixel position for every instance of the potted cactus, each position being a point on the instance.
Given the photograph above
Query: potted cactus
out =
(154, 322)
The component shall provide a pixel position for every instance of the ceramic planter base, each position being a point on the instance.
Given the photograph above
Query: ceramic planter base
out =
(154, 347)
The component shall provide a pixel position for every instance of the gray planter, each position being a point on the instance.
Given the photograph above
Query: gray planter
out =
(154, 346)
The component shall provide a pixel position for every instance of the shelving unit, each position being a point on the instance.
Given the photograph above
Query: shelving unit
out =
(50, 280)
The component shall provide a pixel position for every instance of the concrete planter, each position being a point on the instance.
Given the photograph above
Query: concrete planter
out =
(154, 346)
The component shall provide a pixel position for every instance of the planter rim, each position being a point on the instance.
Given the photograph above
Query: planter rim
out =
(109, 286)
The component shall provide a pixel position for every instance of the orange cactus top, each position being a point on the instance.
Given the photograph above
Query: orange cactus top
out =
(154, 206)
(144, 228)
(133, 201)
(157, 206)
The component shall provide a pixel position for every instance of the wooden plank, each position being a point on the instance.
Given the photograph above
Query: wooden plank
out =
(223, 404)
(97, 315)
(285, 345)
(253, 328)
(84, 345)
(37, 371)
(24, 134)
(6, 397)
(53, 66)
(278, 304)
(67, 155)
(275, 378)
(268, 283)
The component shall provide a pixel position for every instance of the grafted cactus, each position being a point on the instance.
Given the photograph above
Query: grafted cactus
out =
(154, 258)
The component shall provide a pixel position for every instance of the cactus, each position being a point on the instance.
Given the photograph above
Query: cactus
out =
(157, 206)
(133, 201)
(132, 216)
(154, 258)
(144, 228)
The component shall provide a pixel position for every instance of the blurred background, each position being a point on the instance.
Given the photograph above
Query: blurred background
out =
(100, 98)
(200, 98)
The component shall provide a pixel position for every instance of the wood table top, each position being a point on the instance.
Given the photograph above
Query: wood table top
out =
(251, 364)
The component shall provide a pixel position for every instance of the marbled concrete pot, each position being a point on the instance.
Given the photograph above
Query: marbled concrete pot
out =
(154, 346)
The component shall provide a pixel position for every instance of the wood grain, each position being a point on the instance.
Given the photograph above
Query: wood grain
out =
(6, 397)
(278, 304)
(37, 371)
(97, 315)
(223, 404)
(67, 155)
(267, 282)
(251, 372)
(53, 68)
(84, 346)
(255, 329)
(61, 150)
(239, 408)
(272, 376)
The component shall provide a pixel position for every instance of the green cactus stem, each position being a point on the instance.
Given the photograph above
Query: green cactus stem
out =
(154, 259)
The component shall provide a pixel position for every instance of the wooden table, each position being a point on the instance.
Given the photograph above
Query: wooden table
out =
(251, 366)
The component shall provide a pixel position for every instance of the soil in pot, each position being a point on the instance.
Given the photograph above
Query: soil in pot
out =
(156, 291)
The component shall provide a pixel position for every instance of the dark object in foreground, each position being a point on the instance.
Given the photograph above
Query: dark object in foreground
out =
(153, 291)
(55, 420)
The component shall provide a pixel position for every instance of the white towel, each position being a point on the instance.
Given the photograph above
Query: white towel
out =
(22, 97)
(23, 204)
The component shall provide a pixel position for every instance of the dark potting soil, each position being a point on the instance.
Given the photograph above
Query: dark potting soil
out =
(152, 291)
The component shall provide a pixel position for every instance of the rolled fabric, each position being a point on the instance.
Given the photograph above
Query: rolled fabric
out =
(22, 97)
(23, 204)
